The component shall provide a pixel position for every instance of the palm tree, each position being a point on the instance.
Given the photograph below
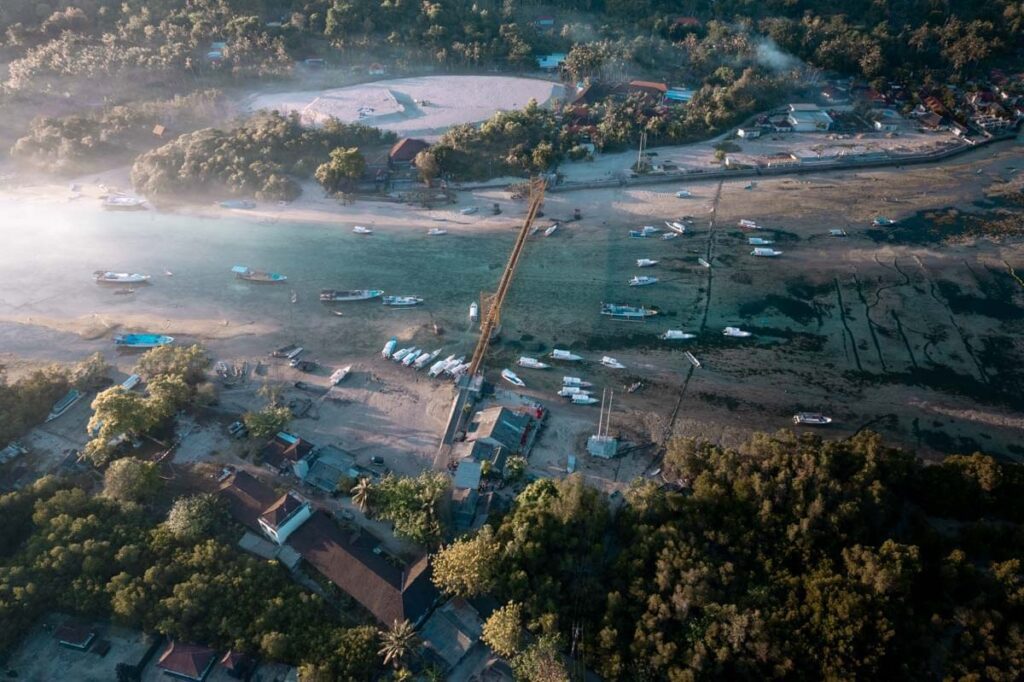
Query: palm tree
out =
(398, 642)
(361, 494)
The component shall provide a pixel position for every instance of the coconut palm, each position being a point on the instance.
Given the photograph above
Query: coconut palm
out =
(361, 494)
(398, 642)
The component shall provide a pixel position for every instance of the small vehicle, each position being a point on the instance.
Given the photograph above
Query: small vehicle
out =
(238, 430)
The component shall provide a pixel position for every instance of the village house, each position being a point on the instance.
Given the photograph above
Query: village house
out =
(328, 467)
(284, 516)
(465, 492)
(353, 562)
(551, 62)
(287, 451)
(187, 661)
(403, 153)
(651, 88)
(808, 118)
(75, 636)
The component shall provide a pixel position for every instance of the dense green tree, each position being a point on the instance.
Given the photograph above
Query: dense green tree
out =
(466, 568)
(502, 631)
(266, 422)
(342, 170)
(131, 480)
(194, 516)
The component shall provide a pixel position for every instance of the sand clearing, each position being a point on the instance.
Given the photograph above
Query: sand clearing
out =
(421, 107)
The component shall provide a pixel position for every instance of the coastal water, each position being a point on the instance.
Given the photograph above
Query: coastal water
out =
(50, 253)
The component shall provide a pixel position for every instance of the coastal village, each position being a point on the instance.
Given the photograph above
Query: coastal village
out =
(488, 398)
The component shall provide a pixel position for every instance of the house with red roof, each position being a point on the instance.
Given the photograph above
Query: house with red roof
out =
(187, 661)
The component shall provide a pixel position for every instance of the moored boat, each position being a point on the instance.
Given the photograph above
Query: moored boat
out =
(531, 363)
(412, 357)
(389, 347)
(559, 354)
(401, 353)
(474, 312)
(106, 277)
(360, 229)
(642, 281)
(425, 359)
(339, 375)
(645, 263)
(551, 230)
(811, 419)
(576, 382)
(675, 226)
(669, 235)
(627, 312)
(644, 232)
(436, 232)
(401, 301)
(250, 275)
(677, 335)
(142, 340)
(765, 252)
(693, 359)
(290, 351)
(64, 404)
(703, 262)
(684, 194)
(237, 204)
(510, 376)
(583, 399)
(735, 332)
(612, 363)
(758, 241)
(882, 221)
(745, 224)
(120, 203)
(339, 296)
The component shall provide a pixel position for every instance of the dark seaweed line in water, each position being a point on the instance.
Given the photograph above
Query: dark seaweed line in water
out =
(871, 324)
(903, 335)
(952, 320)
(842, 317)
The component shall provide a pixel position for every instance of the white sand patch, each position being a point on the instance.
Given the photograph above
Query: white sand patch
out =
(420, 107)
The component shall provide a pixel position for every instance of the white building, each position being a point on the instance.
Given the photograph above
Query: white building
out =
(749, 133)
(282, 518)
(808, 118)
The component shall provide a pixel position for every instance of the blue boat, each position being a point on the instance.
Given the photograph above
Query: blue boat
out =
(238, 204)
(246, 273)
(142, 340)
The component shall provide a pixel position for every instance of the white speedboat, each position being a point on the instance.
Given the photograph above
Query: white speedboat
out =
(104, 277)
(401, 353)
(474, 311)
(559, 354)
(439, 366)
(765, 252)
(360, 229)
(669, 235)
(120, 203)
(811, 419)
(837, 232)
(642, 281)
(612, 363)
(531, 363)
(704, 263)
(645, 263)
(576, 381)
(684, 194)
(510, 376)
(736, 332)
(401, 301)
(693, 359)
(581, 399)
(436, 232)
(758, 241)
(389, 348)
(882, 221)
(455, 364)
(411, 357)
(677, 335)
(745, 224)
(570, 391)
(551, 230)
(425, 359)
(676, 226)
(339, 375)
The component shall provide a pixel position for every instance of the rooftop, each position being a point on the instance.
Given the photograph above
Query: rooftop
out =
(467, 475)
(388, 592)
(500, 425)
(407, 148)
(280, 511)
(286, 448)
(247, 498)
(190, 661)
